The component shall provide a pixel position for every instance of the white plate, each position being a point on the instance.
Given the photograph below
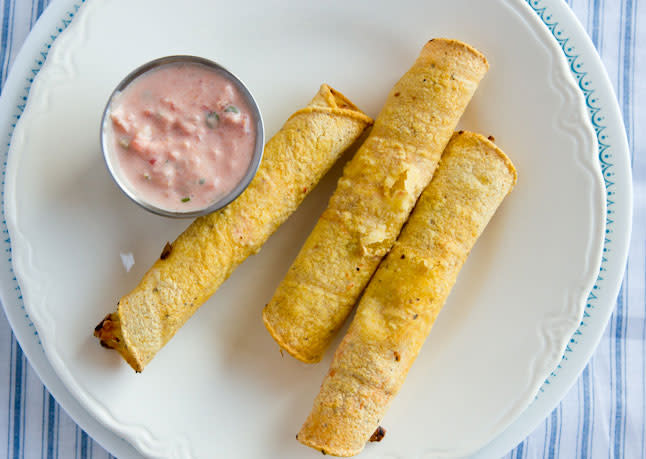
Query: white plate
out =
(220, 385)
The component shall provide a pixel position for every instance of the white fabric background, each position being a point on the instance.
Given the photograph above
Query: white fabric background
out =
(603, 415)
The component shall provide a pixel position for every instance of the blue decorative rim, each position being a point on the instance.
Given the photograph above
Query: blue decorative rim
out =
(604, 155)
(576, 67)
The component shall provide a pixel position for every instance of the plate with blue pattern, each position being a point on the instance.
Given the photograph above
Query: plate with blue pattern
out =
(525, 315)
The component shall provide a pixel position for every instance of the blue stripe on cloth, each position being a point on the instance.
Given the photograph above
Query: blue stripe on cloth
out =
(643, 361)
(18, 408)
(43, 430)
(85, 444)
(590, 385)
(618, 374)
(40, 7)
(596, 32)
(51, 422)
(519, 450)
(546, 436)
(554, 428)
(5, 37)
(57, 409)
(625, 86)
(579, 414)
(615, 334)
(34, 14)
(557, 447)
(633, 54)
(629, 75)
(587, 411)
(25, 392)
(11, 393)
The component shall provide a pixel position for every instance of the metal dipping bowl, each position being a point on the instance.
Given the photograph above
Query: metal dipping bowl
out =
(112, 162)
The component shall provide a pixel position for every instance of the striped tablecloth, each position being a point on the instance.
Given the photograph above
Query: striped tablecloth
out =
(603, 415)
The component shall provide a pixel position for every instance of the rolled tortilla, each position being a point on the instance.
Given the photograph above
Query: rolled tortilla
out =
(192, 268)
(373, 199)
(406, 294)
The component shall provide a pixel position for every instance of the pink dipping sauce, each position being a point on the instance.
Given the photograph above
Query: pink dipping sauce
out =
(183, 135)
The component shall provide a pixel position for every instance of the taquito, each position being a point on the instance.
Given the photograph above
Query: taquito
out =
(191, 269)
(373, 199)
(408, 290)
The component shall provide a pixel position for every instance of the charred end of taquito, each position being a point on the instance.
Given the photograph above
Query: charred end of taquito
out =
(406, 294)
(108, 332)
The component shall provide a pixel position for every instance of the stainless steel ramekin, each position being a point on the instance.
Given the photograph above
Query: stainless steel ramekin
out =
(122, 183)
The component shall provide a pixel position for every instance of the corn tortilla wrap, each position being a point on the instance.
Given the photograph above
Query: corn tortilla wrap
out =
(192, 268)
(373, 199)
(405, 296)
